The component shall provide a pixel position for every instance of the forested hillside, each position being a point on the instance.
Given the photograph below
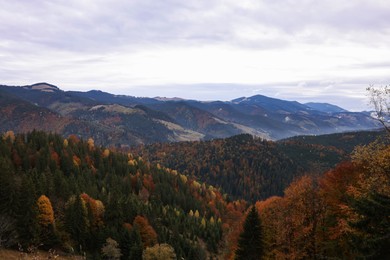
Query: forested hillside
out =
(344, 214)
(71, 195)
(75, 197)
(252, 168)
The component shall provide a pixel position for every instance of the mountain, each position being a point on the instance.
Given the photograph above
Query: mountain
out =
(325, 107)
(119, 120)
(277, 119)
(273, 104)
(107, 122)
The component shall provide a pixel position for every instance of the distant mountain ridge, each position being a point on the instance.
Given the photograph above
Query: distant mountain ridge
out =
(121, 120)
(326, 107)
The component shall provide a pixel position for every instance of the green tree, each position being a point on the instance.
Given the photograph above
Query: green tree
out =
(8, 195)
(27, 223)
(372, 240)
(250, 243)
(76, 220)
(131, 244)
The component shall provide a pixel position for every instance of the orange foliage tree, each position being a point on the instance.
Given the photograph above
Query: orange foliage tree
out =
(96, 210)
(292, 224)
(46, 213)
(148, 234)
(334, 188)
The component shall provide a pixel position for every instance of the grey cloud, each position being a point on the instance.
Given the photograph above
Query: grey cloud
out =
(64, 41)
(105, 25)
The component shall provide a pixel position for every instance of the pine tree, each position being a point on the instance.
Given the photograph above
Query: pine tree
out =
(372, 241)
(76, 220)
(134, 244)
(27, 222)
(250, 244)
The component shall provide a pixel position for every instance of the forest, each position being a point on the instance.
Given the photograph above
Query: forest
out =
(79, 198)
(251, 168)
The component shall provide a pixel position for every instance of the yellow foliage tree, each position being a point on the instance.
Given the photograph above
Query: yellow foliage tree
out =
(203, 222)
(106, 153)
(46, 213)
(159, 251)
(183, 178)
(374, 159)
(9, 135)
(91, 144)
(196, 214)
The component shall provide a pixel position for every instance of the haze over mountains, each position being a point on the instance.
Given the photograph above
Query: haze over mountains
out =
(126, 120)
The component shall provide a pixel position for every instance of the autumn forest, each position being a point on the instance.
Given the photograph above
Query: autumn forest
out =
(83, 199)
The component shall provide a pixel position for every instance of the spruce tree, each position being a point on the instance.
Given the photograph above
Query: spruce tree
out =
(250, 244)
(76, 221)
(136, 244)
(372, 241)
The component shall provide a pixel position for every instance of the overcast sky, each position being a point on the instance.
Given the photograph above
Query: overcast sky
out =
(304, 50)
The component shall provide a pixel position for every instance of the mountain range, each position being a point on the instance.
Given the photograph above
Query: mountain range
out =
(120, 120)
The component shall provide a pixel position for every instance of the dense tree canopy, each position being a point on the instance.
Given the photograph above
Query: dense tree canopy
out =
(73, 195)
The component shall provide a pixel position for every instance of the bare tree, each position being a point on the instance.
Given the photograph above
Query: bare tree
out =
(380, 100)
(110, 249)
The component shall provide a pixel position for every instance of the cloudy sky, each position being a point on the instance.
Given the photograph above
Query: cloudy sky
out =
(304, 50)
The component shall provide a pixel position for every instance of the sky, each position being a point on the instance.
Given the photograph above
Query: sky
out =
(303, 50)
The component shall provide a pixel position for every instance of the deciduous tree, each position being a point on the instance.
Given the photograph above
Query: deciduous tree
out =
(159, 252)
(45, 211)
(110, 249)
(148, 234)
(380, 99)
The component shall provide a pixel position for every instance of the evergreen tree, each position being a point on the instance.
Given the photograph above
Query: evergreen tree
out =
(8, 194)
(27, 221)
(372, 241)
(250, 244)
(76, 220)
(136, 246)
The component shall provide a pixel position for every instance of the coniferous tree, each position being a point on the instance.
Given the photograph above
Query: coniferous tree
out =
(372, 241)
(136, 246)
(7, 188)
(250, 244)
(27, 222)
(76, 220)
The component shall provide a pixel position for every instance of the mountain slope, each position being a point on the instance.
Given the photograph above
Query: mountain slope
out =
(109, 124)
(91, 193)
(118, 120)
(325, 107)
(252, 168)
(19, 114)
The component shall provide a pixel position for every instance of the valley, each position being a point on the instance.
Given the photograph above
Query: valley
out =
(94, 174)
